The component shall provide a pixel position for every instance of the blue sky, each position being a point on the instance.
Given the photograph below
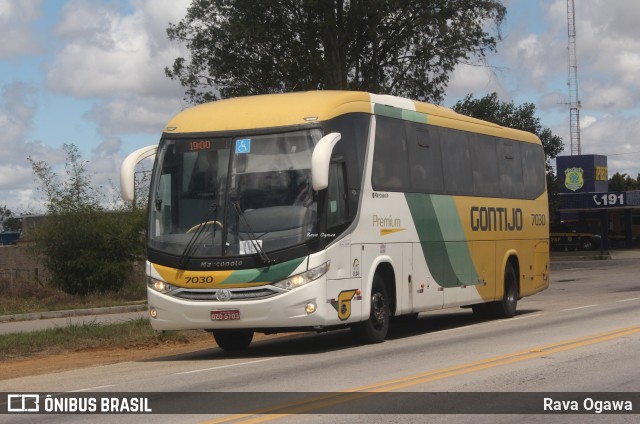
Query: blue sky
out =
(91, 73)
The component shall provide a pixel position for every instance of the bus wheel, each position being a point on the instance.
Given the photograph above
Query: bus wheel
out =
(506, 308)
(233, 339)
(374, 330)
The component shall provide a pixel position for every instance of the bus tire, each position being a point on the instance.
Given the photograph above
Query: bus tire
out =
(233, 339)
(506, 308)
(374, 329)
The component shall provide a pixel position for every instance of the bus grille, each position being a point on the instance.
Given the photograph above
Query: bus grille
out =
(244, 294)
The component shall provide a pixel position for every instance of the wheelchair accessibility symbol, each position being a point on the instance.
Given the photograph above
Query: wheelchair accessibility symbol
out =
(243, 145)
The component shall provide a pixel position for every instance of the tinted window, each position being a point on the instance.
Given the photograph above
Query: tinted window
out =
(425, 160)
(533, 170)
(390, 168)
(421, 158)
(510, 160)
(456, 162)
(486, 178)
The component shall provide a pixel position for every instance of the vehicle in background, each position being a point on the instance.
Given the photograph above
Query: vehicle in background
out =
(573, 237)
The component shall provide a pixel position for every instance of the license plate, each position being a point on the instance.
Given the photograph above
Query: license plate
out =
(225, 315)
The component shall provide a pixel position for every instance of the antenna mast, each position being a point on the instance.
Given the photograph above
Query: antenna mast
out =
(574, 102)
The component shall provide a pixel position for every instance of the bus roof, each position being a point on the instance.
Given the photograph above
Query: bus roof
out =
(290, 109)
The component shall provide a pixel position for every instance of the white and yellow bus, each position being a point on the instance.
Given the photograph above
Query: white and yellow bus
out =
(323, 210)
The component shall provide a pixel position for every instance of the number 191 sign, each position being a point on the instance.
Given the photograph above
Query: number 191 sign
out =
(609, 199)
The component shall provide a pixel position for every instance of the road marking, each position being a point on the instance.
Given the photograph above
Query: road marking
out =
(523, 317)
(628, 300)
(579, 307)
(93, 389)
(222, 366)
(330, 399)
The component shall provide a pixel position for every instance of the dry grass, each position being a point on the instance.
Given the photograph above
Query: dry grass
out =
(87, 336)
(21, 297)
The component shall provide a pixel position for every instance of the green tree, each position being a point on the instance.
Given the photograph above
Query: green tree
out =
(522, 117)
(8, 221)
(85, 247)
(400, 47)
(623, 182)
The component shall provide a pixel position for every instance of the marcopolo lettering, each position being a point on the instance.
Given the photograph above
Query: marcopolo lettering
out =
(221, 264)
(496, 219)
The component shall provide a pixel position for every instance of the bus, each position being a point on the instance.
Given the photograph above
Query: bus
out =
(313, 211)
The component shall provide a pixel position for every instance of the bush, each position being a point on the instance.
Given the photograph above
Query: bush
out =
(85, 247)
(91, 251)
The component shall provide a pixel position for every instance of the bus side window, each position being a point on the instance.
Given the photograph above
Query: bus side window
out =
(337, 213)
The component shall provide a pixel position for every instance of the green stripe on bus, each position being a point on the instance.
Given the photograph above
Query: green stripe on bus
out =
(442, 239)
(404, 114)
(268, 274)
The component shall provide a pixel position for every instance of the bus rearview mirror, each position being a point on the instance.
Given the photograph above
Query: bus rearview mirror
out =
(320, 160)
(127, 171)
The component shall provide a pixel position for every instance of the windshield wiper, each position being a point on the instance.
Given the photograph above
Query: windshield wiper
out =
(254, 242)
(199, 229)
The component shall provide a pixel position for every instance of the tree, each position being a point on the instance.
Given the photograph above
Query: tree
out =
(522, 117)
(8, 222)
(85, 247)
(623, 182)
(402, 47)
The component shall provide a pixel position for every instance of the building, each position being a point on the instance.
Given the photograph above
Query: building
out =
(585, 200)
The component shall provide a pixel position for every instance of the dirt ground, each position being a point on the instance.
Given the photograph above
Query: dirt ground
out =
(49, 363)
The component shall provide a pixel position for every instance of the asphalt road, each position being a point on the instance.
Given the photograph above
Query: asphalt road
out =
(43, 324)
(580, 335)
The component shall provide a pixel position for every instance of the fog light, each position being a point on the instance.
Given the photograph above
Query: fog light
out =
(153, 313)
(310, 308)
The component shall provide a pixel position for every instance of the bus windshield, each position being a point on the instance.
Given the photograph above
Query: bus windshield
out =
(220, 197)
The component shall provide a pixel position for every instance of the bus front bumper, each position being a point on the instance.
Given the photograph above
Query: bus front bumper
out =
(286, 310)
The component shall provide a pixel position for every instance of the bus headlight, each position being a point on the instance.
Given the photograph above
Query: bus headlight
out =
(159, 285)
(299, 280)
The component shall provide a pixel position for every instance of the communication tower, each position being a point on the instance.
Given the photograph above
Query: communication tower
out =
(574, 102)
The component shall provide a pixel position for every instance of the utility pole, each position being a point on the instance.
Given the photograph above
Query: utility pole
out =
(574, 102)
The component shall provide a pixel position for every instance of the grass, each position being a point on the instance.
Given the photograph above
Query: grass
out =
(92, 335)
(23, 297)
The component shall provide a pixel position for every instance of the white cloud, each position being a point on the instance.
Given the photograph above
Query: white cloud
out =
(107, 53)
(587, 121)
(17, 109)
(608, 45)
(133, 114)
(607, 96)
(16, 21)
(614, 136)
(477, 80)
(553, 101)
(119, 59)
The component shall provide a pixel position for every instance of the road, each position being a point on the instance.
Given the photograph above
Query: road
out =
(44, 324)
(580, 335)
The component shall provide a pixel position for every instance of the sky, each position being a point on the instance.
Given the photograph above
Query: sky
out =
(91, 73)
